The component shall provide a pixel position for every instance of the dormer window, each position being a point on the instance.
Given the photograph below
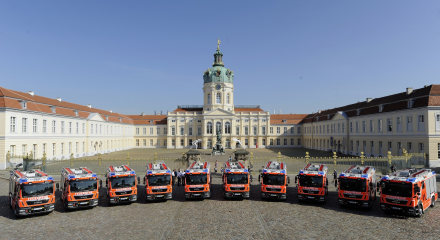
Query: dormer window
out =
(151, 121)
(23, 104)
(410, 103)
(76, 113)
(358, 111)
(53, 109)
(317, 118)
(284, 121)
(381, 108)
(328, 116)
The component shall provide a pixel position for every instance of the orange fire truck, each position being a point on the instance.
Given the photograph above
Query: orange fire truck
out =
(121, 184)
(236, 180)
(198, 180)
(79, 188)
(31, 192)
(409, 191)
(357, 186)
(312, 183)
(274, 180)
(158, 182)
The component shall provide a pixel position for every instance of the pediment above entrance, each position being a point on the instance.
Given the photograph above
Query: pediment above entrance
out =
(96, 117)
(219, 112)
(340, 116)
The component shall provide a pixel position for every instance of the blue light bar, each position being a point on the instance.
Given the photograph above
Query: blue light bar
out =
(71, 176)
(301, 171)
(364, 175)
(283, 171)
(132, 172)
(433, 172)
(187, 171)
(321, 173)
(23, 180)
(94, 175)
(411, 180)
(227, 170)
(168, 171)
(342, 175)
(385, 178)
(264, 171)
(205, 170)
(112, 174)
(149, 172)
(49, 178)
(246, 170)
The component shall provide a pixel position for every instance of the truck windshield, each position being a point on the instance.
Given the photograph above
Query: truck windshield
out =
(160, 180)
(310, 181)
(397, 189)
(39, 189)
(269, 179)
(83, 185)
(236, 178)
(122, 182)
(196, 179)
(353, 184)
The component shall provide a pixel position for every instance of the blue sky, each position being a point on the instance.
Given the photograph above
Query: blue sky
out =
(293, 56)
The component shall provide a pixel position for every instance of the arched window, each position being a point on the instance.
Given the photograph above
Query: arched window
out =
(227, 128)
(227, 98)
(209, 128)
(219, 98)
(209, 98)
(218, 127)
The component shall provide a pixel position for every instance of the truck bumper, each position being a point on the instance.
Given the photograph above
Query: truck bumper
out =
(82, 204)
(199, 195)
(355, 203)
(404, 210)
(123, 199)
(236, 194)
(160, 196)
(24, 211)
(266, 195)
(311, 198)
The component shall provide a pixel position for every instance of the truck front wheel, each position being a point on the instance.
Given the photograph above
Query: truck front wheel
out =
(433, 201)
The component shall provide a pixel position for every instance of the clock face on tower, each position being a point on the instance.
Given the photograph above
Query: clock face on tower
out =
(218, 87)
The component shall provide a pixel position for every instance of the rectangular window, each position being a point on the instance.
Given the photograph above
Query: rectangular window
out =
(271, 130)
(421, 147)
(84, 146)
(137, 142)
(144, 142)
(84, 129)
(409, 124)
(278, 130)
(379, 125)
(351, 127)
(285, 130)
(399, 124)
(409, 147)
(199, 131)
(70, 127)
(246, 130)
(151, 131)
(390, 146)
(182, 131)
(53, 149)
(364, 126)
(343, 127)
(292, 141)
(173, 131)
(190, 131)
(70, 148)
(299, 141)
(328, 129)
(278, 142)
(351, 146)
(165, 131)
(62, 148)
(23, 149)
(165, 143)
(77, 145)
(255, 130)
(421, 123)
(77, 128)
(264, 142)
(298, 131)
(263, 130)
(389, 125)
(13, 122)
(292, 130)
(91, 128)
(285, 141)
(62, 126)
(44, 148)
(271, 142)
(151, 142)
(173, 142)
(137, 130)
(357, 127)
(24, 125)
(182, 142)
(144, 131)
(371, 126)
(34, 125)
(34, 150)
(158, 131)
(237, 130)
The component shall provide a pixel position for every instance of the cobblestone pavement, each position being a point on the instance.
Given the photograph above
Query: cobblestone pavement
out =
(217, 218)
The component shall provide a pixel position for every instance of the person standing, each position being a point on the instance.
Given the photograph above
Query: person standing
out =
(183, 178)
(230, 158)
(175, 176)
(179, 178)
(335, 175)
(216, 164)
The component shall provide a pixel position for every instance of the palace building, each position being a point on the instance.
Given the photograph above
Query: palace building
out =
(409, 120)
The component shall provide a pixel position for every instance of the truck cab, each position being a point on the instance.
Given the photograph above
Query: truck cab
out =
(31, 192)
(121, 184)
(236, 180)
(198, 181)
(158, 182)
(274, 180)
(312, 183)
(408, 192)
(357, 186)
(79, 188)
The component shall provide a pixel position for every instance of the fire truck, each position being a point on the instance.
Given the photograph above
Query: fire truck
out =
(274, 181)
(79, 188)
(158, 182)
(31, 192)
(121, 184)
(198, 180)
(357, 186)
(409, 191)
(312, 183)
(236, 180)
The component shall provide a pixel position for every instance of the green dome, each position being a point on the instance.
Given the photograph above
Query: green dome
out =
(218, 73)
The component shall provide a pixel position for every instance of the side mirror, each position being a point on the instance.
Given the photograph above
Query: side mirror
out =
(259, 176)
(336, 183)
(418, 194)
(144, 180)
(139, 179)
(296, 179)
(326, 182)
(57, 186)
(288, 180)
(100, 183)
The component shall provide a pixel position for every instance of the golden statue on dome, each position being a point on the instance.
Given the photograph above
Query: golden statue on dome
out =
(218, 43)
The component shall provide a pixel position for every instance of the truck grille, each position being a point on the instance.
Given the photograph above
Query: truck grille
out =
(123, 193)
(352, 196)
(159, 190)
(237, 188)
(196, 189)
(37, 202)
(396, 201)
(84, 196)
(273, 189)
(310, 191)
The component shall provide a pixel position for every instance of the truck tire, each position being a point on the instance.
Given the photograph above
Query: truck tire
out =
(420, 208)
(433, 201)
(10, 201)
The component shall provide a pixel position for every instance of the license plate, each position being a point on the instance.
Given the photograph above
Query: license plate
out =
(273, 195)
(353, 202)
(38, 208)
(237, 194)
(159, 195)
(311, 197)
(84, 203)
(124, 198)
(196, 194)
(396, 208)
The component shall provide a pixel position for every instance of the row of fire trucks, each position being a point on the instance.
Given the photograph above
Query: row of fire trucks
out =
(408, 191)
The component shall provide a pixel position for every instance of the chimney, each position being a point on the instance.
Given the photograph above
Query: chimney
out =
(409, 90)
(59, 99)
(142, 114)
(31, 93)
(110, 111)
(89, 105)
(369, 100)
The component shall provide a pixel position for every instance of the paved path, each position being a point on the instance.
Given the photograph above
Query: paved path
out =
(217, 218)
